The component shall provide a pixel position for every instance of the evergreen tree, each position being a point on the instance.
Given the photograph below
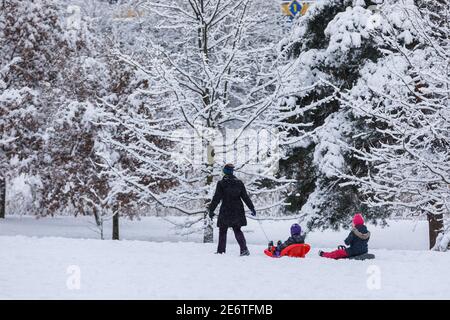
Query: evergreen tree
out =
(330, 43)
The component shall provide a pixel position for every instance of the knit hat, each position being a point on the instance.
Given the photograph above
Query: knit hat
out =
(358, 219)
(228, 169)
(296, 229)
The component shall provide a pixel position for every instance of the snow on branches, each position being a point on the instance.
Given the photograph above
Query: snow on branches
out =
(407, 95)
(213, 93)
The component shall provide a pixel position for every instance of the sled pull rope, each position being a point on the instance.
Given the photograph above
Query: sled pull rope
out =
(260, 224)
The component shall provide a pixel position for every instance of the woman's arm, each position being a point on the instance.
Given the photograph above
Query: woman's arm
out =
(246, 198)
(216, 198)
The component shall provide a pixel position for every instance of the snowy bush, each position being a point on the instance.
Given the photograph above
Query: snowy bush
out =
(22, 195)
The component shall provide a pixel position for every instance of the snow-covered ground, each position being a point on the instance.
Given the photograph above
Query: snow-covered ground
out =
(41, 259)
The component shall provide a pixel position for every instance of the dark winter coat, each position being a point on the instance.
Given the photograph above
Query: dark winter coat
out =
(357, 241)
(295, 239)
(230, 190)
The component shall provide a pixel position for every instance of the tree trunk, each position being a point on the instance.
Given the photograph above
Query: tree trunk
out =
(115, 227)
(208, 233)
(96, 216)
(435, 226)
(2, 197)
(98, 221)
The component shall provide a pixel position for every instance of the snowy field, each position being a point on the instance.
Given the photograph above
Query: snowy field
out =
(39, 259)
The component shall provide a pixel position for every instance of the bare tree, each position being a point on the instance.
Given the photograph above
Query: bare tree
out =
(212, 70)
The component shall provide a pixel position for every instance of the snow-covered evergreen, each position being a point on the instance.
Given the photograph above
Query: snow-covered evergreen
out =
(331, 43)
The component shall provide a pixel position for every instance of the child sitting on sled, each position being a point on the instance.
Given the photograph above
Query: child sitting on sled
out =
(295, 238)
(357, 241)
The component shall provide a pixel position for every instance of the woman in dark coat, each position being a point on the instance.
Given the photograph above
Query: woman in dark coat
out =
(231, 191)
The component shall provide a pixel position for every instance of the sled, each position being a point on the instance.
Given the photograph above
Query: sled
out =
(365, 256)
(293, 251)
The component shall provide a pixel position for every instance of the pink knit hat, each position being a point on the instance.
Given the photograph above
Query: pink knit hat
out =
(358, 219)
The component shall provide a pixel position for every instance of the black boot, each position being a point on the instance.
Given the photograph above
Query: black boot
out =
(320, 253)
(245, 253)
